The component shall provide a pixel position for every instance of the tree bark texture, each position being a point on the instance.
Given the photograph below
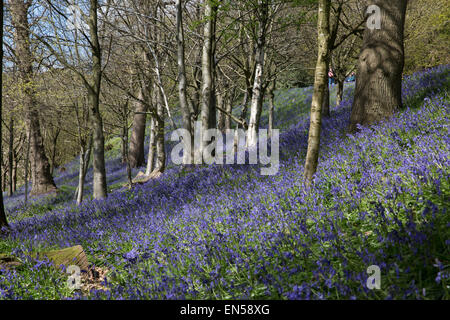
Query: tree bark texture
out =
(380, 67)
(320, 83)
(258, 92)
(42, 180)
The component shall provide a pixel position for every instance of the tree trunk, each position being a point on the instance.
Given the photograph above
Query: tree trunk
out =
(85, 158)
(99, 179)
(11, 155)
(130, 179)
(243, 117)
(151, 149)
(3, 220)
(14, 178)
(195, 99)
(220, 114)
(123, 149)
(229, 108)
(125, 143)
(99, 182)
(160, 147)
(207, 107)
(42, 180)
(380, 67)
(79, 192)
(197, 71)
(271, 97)
(136, 151)
(27, 163)
(320, 83)
(258, 94)
(326, 101)
(53, 156)
(245, 102)
(84, 165)
(4, 178)
(185, 110)
(340, 92)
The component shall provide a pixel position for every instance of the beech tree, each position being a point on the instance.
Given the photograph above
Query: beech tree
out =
(137, 140)
(380, 66)
(208, 107)
(42, 180)
(136, 156)
(93, 88)
(187, 113)
(320, 82)
(258, 92)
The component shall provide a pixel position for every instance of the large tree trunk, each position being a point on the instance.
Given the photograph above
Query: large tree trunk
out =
(136, 153)
(99, 179)
(185, 110)
(100, 188)
(258, 92)
(42, 180)
(320, 83)
(380, 67)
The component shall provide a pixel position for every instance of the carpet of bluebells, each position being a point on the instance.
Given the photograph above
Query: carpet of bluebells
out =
(380, 197)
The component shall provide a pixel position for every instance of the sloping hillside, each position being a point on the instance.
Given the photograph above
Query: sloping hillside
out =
(380, 198)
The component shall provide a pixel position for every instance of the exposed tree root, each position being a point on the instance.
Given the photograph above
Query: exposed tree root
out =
(141, 178)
